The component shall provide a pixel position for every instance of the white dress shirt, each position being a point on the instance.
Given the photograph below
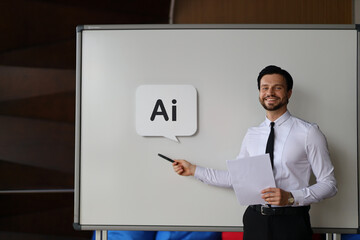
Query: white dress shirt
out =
(299, 148)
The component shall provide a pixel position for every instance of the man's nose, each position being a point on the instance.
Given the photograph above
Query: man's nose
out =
(270, 92)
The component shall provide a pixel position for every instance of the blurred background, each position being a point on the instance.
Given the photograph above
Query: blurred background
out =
(37, 90)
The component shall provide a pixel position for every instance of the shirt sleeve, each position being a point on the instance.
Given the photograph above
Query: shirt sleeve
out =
(219, 178)
(243, 150)
(319, 158)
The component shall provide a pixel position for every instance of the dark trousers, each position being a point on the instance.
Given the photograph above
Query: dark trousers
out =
(276, 227)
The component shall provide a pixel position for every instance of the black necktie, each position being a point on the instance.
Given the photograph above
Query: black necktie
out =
(270, 144)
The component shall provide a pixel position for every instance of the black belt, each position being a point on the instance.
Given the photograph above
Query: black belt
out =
(267, 210)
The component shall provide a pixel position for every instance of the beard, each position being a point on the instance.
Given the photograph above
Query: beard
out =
(274, 107)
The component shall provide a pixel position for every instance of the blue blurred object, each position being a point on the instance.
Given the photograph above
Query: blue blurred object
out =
(350, 236)
(161, 235)
(130, 235)
(168, 235)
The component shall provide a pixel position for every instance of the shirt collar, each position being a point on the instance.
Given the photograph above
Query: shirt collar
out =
(280, 120)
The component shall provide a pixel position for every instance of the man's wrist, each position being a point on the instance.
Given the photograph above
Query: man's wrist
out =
(192, 169)
(291, 199)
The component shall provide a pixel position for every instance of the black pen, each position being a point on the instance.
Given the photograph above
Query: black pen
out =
(164, 157)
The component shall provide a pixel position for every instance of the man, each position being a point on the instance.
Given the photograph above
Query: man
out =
(297, 148)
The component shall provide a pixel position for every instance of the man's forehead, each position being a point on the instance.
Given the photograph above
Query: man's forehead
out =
(273, 79)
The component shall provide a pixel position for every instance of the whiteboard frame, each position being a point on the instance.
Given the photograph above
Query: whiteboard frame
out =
(78, 226)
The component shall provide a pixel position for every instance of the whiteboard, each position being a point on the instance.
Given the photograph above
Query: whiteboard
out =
(122, 184)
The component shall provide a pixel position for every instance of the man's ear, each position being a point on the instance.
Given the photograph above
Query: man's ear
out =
(289, 93)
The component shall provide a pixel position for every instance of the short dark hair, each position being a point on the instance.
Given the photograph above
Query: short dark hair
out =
(272, 69)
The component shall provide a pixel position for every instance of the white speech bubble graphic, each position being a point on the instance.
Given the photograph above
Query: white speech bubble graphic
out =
(166, 110)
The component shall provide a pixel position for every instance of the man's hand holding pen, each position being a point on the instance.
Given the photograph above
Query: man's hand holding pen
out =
(184, 168)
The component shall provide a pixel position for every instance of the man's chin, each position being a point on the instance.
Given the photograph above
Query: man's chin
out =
(271, 107)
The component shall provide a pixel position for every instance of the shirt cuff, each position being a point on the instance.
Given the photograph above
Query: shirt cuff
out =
(298, 197)
(199, 172)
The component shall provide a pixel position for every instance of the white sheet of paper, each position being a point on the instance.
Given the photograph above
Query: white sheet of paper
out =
(249, 176)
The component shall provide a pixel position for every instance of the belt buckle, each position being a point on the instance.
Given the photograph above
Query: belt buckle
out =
(262, 210)
(266, 210)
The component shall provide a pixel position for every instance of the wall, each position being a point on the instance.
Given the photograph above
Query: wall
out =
(37, 105)
(264, 11)
(357, 11)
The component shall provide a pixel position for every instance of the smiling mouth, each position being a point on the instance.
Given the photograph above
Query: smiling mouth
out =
(271, 99)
